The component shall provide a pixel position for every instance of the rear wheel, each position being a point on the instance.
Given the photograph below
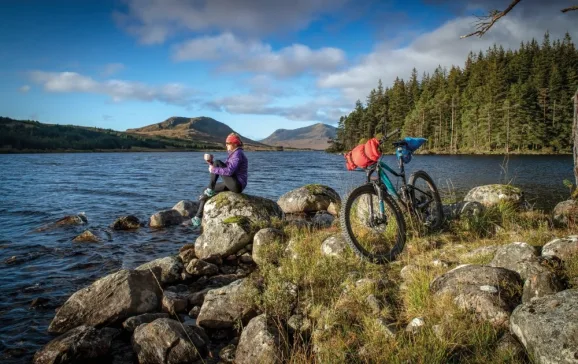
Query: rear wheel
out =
(376, 238)
(426, 200)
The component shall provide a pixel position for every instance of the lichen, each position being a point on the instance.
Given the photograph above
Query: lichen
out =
(315, 189)
(237, 220)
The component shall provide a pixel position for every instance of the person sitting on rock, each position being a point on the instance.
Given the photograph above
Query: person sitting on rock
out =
(233, 172)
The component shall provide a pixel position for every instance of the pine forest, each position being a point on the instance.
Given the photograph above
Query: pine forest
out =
(501, 101)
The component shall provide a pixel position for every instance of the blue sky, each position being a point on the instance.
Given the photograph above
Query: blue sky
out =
(257, 65)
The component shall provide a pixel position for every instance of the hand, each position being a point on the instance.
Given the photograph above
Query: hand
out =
(211, 168)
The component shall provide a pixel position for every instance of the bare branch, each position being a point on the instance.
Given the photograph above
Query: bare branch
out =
(572, 8)
(486, 22)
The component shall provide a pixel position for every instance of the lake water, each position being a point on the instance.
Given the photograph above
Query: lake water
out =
(37, 189)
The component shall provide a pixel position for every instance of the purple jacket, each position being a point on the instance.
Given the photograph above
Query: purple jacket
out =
(237, 165)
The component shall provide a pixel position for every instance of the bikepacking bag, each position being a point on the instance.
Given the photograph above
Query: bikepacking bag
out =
(412, 144)
(363, 155)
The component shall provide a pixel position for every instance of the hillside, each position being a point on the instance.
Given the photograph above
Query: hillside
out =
(200, 129)
(313, 137)
(28, 135)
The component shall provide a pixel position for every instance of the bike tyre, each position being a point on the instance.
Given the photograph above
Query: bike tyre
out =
(436, 195)
(348, 233)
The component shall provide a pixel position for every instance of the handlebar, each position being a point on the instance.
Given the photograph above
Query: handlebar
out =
(385, 137)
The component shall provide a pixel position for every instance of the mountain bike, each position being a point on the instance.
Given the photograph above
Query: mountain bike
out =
(371, 219)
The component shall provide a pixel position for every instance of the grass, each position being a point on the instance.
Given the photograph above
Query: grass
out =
(348, 327)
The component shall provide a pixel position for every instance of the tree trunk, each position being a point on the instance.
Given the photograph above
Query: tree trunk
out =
(575, 136)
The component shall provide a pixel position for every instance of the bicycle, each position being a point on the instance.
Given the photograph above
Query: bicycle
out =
(372, 221)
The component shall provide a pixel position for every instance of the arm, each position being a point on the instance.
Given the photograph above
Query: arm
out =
(231, 168)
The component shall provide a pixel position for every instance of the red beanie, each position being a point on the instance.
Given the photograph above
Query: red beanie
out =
(234, 139)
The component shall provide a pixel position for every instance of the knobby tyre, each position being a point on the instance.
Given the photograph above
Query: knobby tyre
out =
(426, 200)
(373, 239)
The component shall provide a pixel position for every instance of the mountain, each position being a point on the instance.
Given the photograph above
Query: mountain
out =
(27, 135)
(312, 137)
(200, 129)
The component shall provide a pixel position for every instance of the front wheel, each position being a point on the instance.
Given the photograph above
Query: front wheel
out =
(426, 201)
(374, 236)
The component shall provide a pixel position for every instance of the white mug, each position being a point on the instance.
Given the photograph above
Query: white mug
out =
(208, 157)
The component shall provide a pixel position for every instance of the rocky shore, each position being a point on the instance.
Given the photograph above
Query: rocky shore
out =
(217, 300)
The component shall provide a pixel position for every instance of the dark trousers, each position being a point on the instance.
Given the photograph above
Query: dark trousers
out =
(229, 183)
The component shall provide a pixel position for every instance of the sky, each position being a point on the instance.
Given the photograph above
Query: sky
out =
(256, 65)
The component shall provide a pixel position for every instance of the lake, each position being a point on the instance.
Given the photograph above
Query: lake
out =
(37, 189)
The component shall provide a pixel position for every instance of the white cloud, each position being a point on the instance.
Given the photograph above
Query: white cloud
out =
(443, 47)
(111, 69)
(325, 109)
(153, 21)
(118, 90)
(239, 55)
(24, 88)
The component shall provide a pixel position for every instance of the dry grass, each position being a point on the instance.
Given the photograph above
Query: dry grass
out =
(345, 325)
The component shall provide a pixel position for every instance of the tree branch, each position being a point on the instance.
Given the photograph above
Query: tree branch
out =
(572, 8)
(486, 22)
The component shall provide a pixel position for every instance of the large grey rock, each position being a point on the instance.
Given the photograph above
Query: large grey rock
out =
(540, 285)
(167, 341)
(78, 345)
(334, 245)
(109, 300)
(174, 302)
(309, 198)
(491, 195)
(198, 267)
(519, 257)
(223, 307)
(322, 220)
(170, 269)
(262, 241)
(548, 327)
(187, 208)
(462, 208)
(566, 213)
(563, 249)
(166, 218)
(489, 292)
(229, 222)
(131, 323)
(260, 342)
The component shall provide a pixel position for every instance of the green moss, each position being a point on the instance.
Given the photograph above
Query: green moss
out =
(315, 189)
(241, 220)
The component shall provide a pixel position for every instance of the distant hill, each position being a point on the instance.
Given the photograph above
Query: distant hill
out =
(312, 137)
(33, 136)
(200, 129)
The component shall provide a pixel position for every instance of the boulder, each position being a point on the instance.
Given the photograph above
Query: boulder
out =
(132, 323)
(566, 213)
(489, 292)
(166, 218)
(334, 245)
(109, 300)
(198, 267)
(86, 237)
(229, 222)
(187, 255)
(169, 267)
(174, 303)
(262, 242)
(260, 342)
(167, 341)
(462, 208)
(563, 249)
(129, 222)
(548, 327)
(78, 345)
(224, 306)
(322, 220)
(187, 208)
(519, 257)
(540, 285)
(309, 198)
(491, 195)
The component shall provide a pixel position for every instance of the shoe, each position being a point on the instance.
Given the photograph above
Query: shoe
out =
(196, 221)
(209, 192)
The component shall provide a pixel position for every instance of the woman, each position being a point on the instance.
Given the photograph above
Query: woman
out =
(233, 172)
